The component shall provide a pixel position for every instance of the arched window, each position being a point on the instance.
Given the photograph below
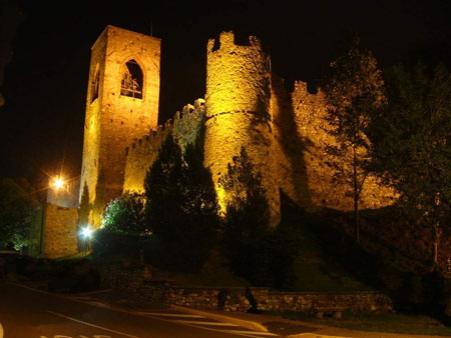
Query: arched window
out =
(132, 80)
(95, 85)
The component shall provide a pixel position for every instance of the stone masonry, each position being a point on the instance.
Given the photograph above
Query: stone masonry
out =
(246, 106)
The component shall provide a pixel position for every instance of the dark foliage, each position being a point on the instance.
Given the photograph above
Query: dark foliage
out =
(412, 146)
(181, 208)
(18, 212)
(355, 92)
(262, 255)
(108, 244)
(85, 206)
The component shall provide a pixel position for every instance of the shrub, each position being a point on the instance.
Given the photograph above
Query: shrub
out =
(126, 215)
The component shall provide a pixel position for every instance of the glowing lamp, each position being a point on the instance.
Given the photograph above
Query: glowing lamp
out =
(58, 183)
(86, 232)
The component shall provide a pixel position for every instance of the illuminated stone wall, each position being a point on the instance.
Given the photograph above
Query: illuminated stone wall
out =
(114, 121)
(309, 113)
(237, 108)
(185, 127)
(140, 157)
(288, 148)
(245, 106)
(60, 231)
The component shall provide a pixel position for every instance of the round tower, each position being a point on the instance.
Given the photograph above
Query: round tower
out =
(237, 113)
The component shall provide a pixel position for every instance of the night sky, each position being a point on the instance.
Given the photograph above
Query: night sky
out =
(45, 81)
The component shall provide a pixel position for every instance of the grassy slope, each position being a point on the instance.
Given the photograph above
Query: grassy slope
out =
(392, 323)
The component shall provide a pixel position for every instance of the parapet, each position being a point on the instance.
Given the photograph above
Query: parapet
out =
(142, 153)
(238, 76)
(227, 41)
(182, 119)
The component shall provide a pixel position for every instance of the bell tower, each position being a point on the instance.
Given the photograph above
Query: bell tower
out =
(121, 105)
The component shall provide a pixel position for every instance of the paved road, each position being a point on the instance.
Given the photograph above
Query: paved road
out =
(28, 313)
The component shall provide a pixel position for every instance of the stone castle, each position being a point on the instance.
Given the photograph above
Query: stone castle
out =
(245, 106)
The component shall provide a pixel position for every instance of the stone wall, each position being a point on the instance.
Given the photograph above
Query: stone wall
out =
(140, 157)
(306, 170)
(235, 299)
(246, 106)
(114, 120)
(237, 108)
(185, 128)
(60, 231)
(137, 284)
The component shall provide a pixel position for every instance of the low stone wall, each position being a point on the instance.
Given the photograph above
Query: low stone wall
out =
(238, 299)
(60, 231)
(138, 284)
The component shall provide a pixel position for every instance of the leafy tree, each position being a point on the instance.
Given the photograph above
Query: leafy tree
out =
(413, 143)
(355, 92)
(126, 215)
(182, 206)
(17, 212)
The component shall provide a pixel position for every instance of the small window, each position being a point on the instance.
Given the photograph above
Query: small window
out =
(95, 85)
(132, 80)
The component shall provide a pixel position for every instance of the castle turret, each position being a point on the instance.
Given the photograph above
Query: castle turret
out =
(237, 112)
(122, 105)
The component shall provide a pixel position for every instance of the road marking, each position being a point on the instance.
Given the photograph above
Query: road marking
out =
(314, 335)
(90, 324)
(254, 334)
(204, 323)
(33, 289)
(170, 315)
(1, 331)
(257, 333)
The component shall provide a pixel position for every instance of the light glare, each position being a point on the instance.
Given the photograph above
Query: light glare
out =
(86, 232)
(58, 183)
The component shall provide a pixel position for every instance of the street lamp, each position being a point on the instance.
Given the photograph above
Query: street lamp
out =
(86, 232)
(58, 183)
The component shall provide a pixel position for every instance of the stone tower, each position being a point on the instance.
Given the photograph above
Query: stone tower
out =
(237, 107)
(121, 105)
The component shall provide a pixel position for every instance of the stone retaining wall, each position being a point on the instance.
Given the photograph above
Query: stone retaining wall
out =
(237, 299)
(140, 286)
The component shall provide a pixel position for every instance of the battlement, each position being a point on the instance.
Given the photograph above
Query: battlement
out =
(226, 41)
(142, 153)
(181, 118)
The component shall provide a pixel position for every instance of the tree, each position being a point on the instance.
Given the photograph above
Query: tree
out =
(18, 209)
(126, 215)
(246, 234)
(355, 92)
(85, 206)
(413, 143)
(182, 206)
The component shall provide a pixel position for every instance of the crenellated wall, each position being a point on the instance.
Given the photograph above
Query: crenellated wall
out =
(285, 134)
(324, 188)
(237, 109)
(246, 106)
(141, 154)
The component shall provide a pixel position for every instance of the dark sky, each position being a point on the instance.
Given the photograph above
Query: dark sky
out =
(46, 80)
